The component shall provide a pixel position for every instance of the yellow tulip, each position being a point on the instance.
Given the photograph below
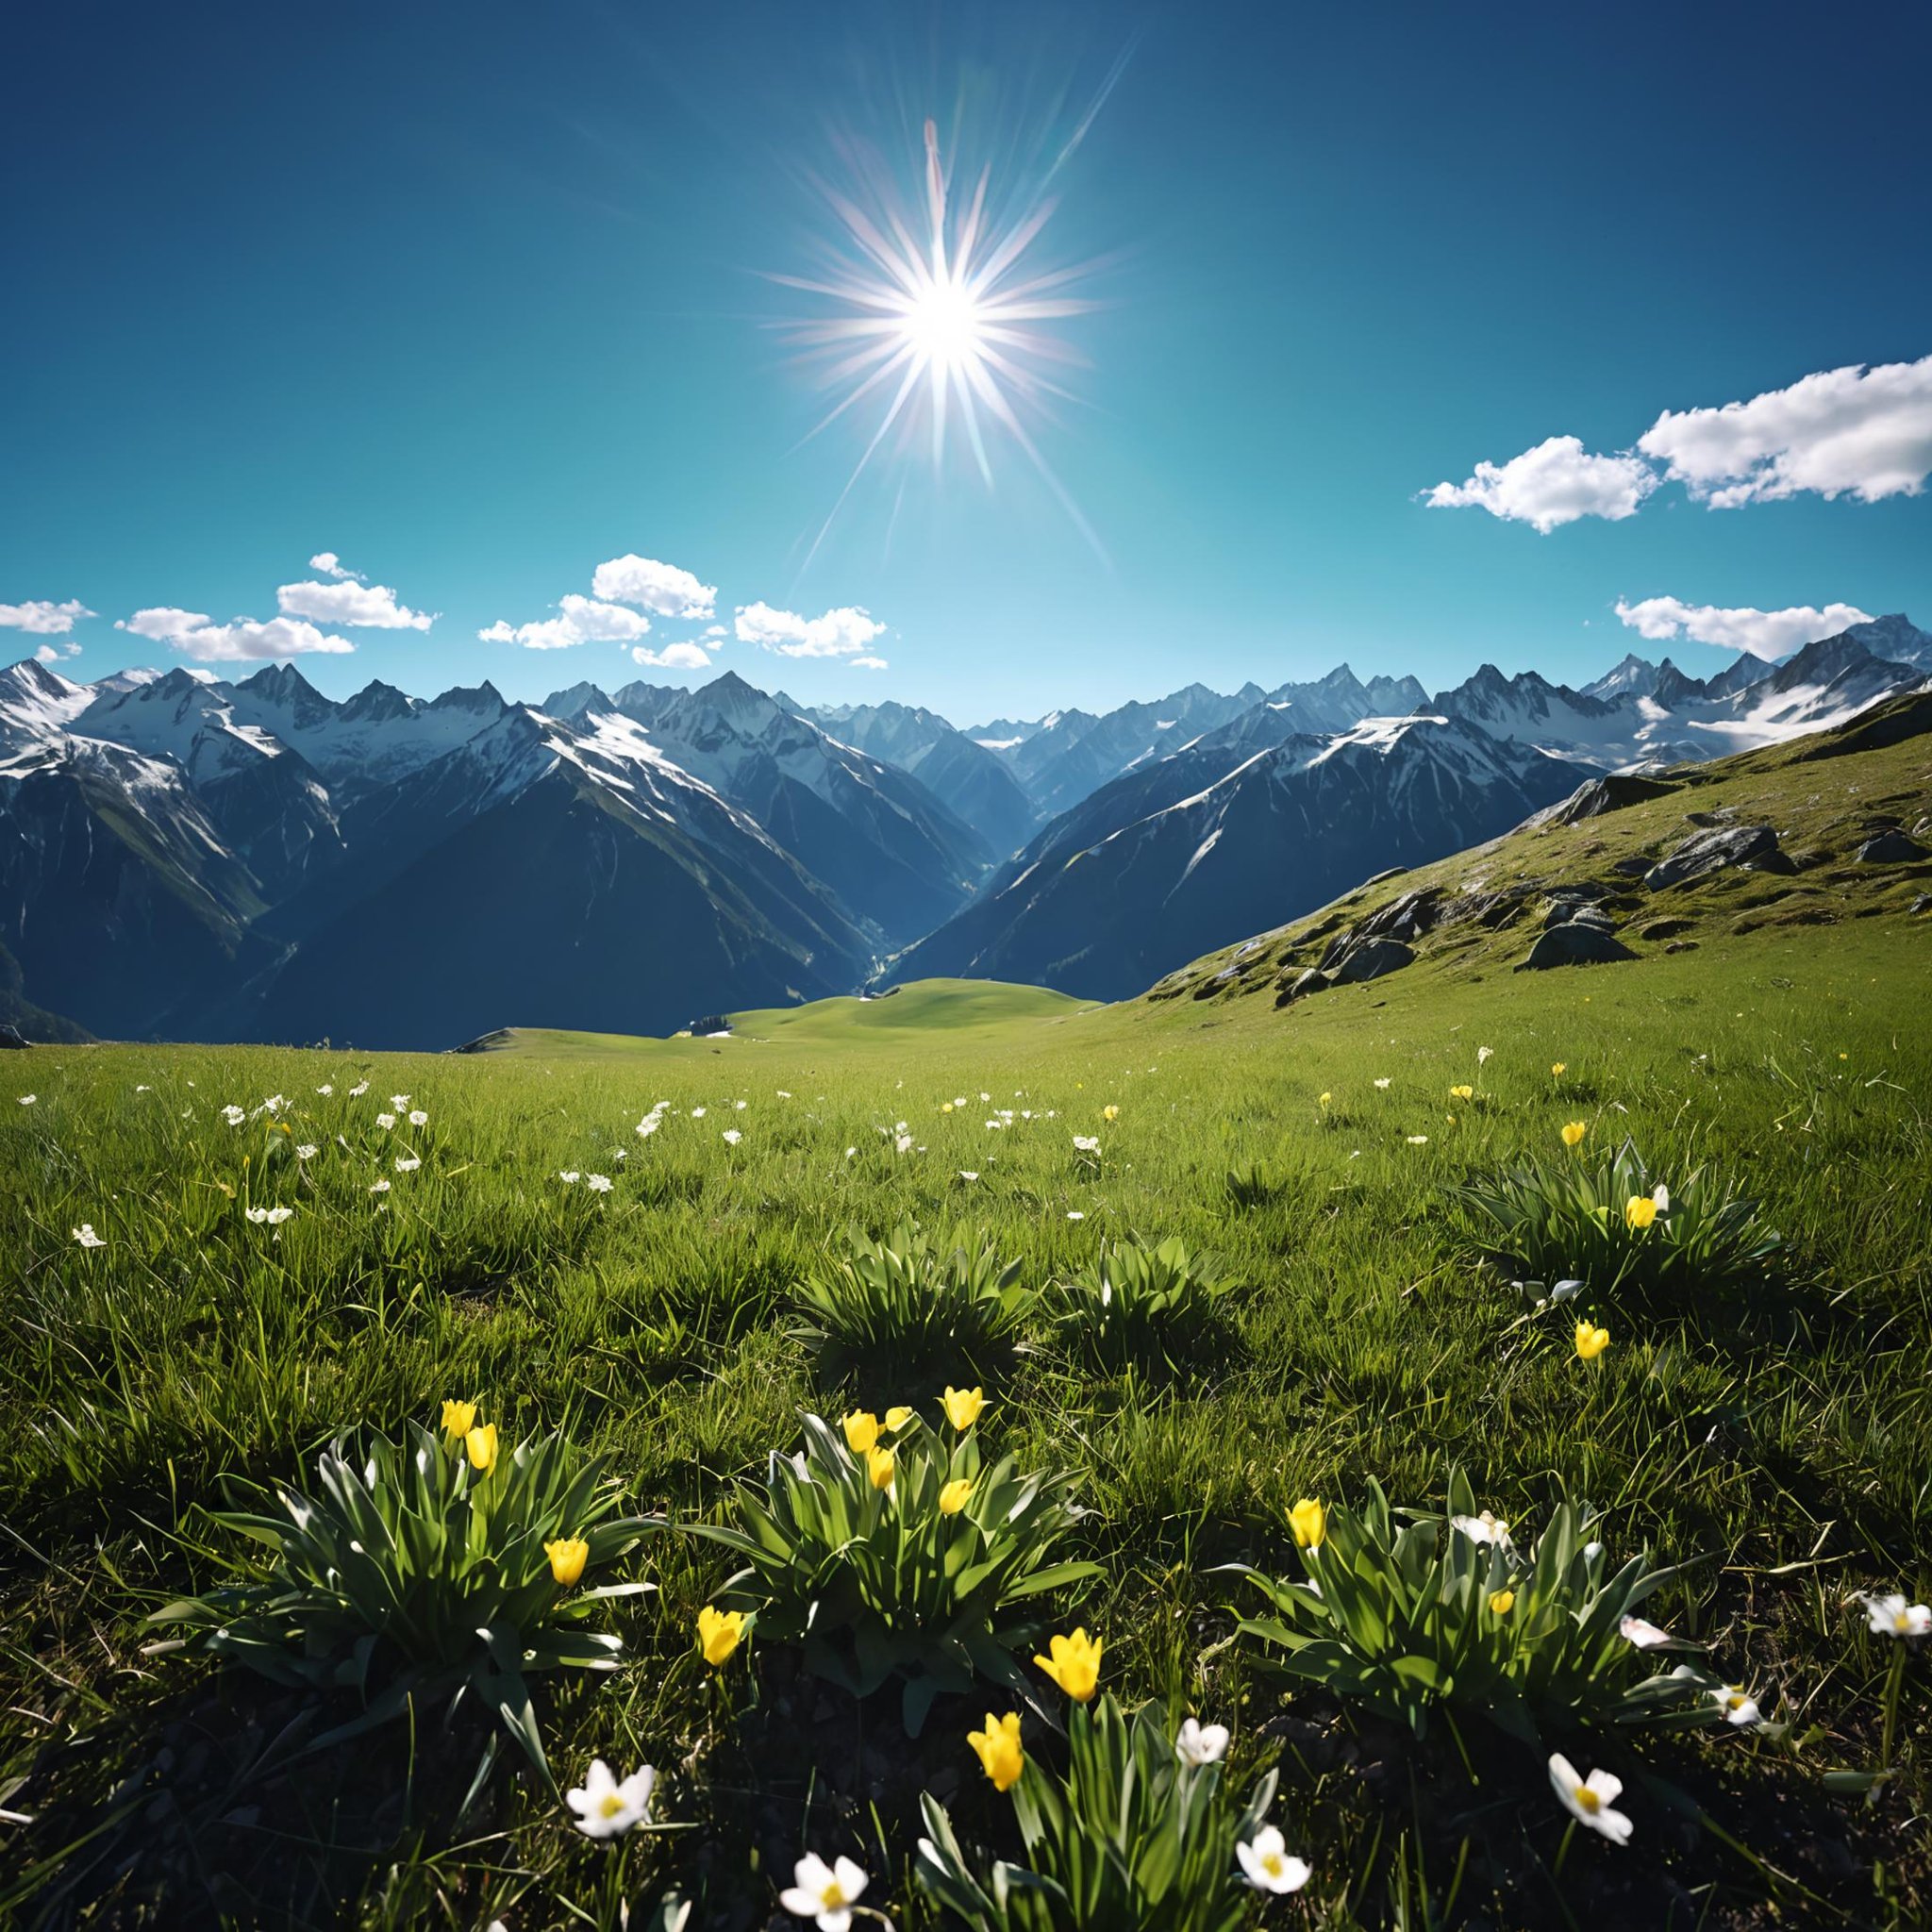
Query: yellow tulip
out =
(953, 1497)
(481, 1444)
(862, 1430)
(1573, 1133)
(1462, 1093)
(1639, 1210)
(998, 1749)
(881, 1466)
(567, 1556)
(1309, 1521)
(962, 1406)
(1502, 1601)
(719, 1634)
(898, 1416)
(1590, 1343)
(1074, 1665)
(459, 1418)
(1556, 1069)
(1109, 1114)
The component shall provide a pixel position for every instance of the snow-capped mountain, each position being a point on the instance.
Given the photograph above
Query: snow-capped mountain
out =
(1105, 913)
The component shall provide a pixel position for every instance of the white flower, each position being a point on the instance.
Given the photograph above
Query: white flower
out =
(273, 1216)
(1482, 1053)
(400, 1102)
(307, 1151)
(784, 1093)
(1267, 1864)
(385, 1120)
(607, 1809)
(850, 1152)
(697, 1113)
(1484, 1529)
(233, 1115)
(1075, 1214)
(380, 1187)
(569, 1175)
(1418, 1139)
(740, 1105)
(824, 1892)
(325, 1089)
(1891, 1616)
(1740, 1708)
(1644, 1634)
(960, 1101)
(995, 1126)
(273, 1103)
(902, 1144)
(1661, 1195)
(1383, 1083)
(418, 1118)
(408, 1163)
(1200, 1743)
(28, 1099)
(649, 1125)
(144, 1088)
(732, 1136)
(1589, 1798)
(86, 1236)
(359, 1090)
(984, 1098)
(969, 1173)
(597, 1182)
(1086, 1143)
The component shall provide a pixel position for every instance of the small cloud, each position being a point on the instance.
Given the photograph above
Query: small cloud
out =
(330, 565)
(55, 654)
(672, 658)
(838, 633)
(716, 630)
(242, 640)
(42, 619)
(870, 664)
(1856, 432)
(348, 598)
(1770, 633)
(659, 588)
(1554, 483)
(579, 621)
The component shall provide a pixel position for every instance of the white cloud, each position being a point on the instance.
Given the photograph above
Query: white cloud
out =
(42, 619)
(1554, 483)
(1844, 432)
(580, 620)
(330, 565)
(716, 630)
(870, 664)
(244, 640)
(1770, 633)
(661, 588)
(373, 607)
(54, 654)
(837, 634)
(672, 658)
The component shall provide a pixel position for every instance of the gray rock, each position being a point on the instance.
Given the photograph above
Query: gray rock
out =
(1611, 792)
(1569, 911)
(1751, 848)
(1632, 868)
(1574, 945)
(1370, 960)
(1891, 848)
(1407, 918)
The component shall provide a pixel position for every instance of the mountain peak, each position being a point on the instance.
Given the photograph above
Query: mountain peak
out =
(279, 683)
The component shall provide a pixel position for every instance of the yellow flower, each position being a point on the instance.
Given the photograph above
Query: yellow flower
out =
(1639, 1210)
(898, 1416)
(962, 1405)
(719, 1634)
(1590, 1343)
(953, 1497)
(481, 1444)
(1109, 1114)
(945, 1107)
(1309, 1521)
(1323, 1099)
(998, 1749)
(1573, 1133)
(862, 1430)
(881, 1465)
(1556, 1069)
(567, 1556)
(459, 1418)
(1462, 1093)
(1074, 1665)
(1502, 1601)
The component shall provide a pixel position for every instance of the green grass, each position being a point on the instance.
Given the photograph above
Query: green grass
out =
(1785, 1438)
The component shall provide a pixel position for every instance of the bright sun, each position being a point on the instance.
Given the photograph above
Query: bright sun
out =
(942, 325)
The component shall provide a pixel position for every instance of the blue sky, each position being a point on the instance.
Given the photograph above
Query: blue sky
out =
(475, 298)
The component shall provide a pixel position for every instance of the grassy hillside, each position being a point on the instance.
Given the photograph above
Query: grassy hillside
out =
(1774, 1434)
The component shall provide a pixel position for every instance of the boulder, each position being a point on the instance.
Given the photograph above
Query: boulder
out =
(1891, 848)
(1574, 944)
(1370, 960)
(1634, 867)
(1751, 848)
(1611, 792)
(1407, 918)
(1311, 980)
(1570, 912)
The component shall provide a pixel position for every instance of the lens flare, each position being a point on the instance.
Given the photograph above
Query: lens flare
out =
(943, 314)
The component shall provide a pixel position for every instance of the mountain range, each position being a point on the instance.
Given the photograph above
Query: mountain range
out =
(185, 857)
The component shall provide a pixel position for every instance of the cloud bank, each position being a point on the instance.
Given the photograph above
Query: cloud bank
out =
(42, 619)
(1769, 634)
(840, 633)
(242, 640)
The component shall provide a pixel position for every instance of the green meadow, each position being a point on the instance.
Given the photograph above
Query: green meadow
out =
(1778, 1441)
